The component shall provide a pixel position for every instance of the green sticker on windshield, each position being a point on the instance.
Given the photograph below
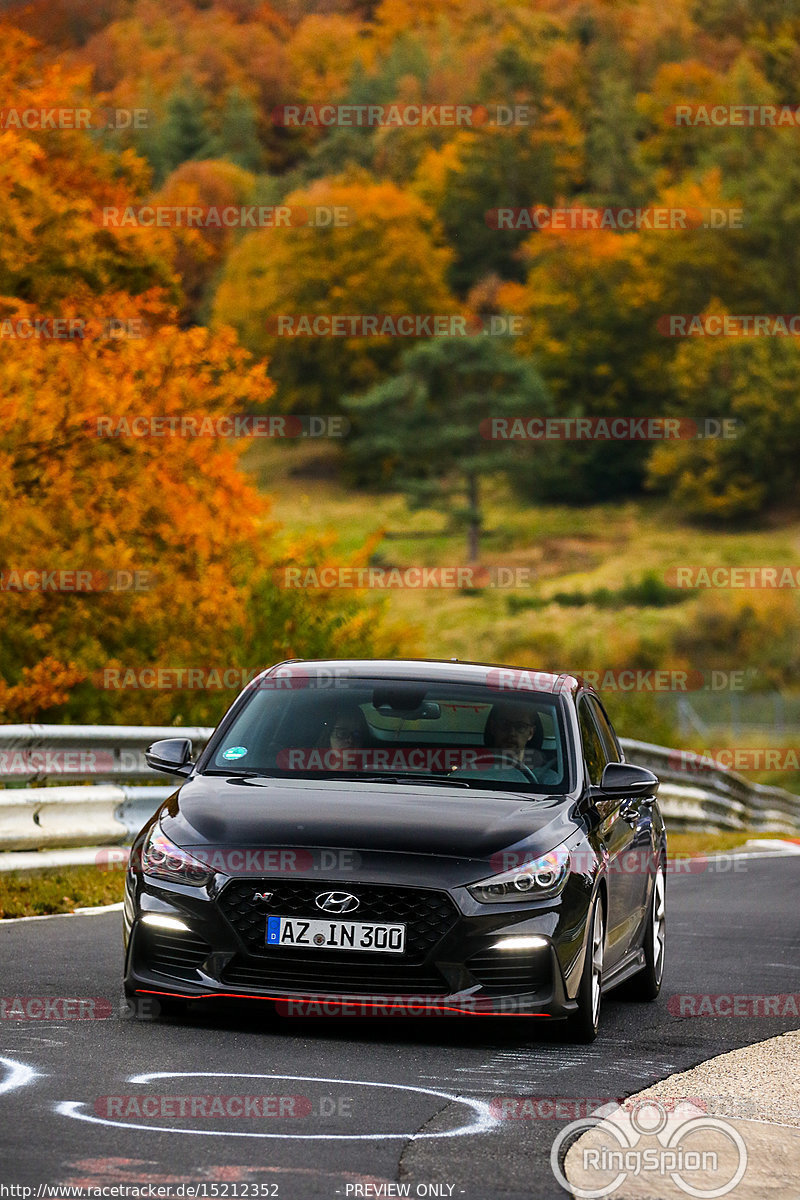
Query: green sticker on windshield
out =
(234, 752)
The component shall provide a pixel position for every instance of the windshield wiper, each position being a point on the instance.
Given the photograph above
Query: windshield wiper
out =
(242, 774)
(395, 778)
(446, 779)
(355, 776)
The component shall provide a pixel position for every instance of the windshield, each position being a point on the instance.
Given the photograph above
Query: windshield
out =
(456, 734)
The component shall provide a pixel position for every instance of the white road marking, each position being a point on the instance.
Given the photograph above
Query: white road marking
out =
(18, 1075)
(78, 912)
(484, 1122)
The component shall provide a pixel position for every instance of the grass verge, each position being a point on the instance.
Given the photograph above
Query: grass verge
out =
(57, 890)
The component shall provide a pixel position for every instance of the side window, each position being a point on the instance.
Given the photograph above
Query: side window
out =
(607, 735)
(593, 751)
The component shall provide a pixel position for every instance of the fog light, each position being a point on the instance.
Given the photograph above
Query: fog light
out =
(521, 943)
(165, 922)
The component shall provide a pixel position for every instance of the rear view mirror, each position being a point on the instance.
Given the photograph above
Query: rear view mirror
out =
(405, 701)
(172, 755)
(621, 780)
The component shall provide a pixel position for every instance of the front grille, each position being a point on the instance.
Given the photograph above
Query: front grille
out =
(293, 973)
(505, 973)
(427, 915)
(175, 955)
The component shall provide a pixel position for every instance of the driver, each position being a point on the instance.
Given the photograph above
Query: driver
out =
(516, 731)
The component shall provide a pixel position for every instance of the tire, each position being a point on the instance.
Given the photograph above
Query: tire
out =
(646, 984)
(583, 1025)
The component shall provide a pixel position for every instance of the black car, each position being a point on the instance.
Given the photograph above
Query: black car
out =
(402, 837)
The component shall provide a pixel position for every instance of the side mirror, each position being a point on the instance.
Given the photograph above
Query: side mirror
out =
(173, 755)
(621, 780)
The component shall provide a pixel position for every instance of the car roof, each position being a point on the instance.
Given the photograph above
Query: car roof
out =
(498, 675)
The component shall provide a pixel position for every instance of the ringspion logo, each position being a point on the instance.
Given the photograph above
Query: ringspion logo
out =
(704, 1156)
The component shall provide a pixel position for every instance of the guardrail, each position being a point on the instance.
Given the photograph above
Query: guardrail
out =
(44, 753)
(713, 798)
(107, 813)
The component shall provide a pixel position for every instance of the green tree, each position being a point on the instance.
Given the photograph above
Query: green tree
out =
(186, 131)
(237, 136)
(479, 172)
(614, 173)
(430, 426)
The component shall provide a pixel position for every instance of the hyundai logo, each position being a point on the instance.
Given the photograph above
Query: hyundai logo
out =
(337, 902)
(264, 897)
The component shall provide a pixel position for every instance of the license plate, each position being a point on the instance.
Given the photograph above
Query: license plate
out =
(335, 935)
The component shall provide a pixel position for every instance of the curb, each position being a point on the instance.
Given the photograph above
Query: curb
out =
(740, 1109)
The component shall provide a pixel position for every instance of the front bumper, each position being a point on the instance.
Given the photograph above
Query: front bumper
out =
(459, 974)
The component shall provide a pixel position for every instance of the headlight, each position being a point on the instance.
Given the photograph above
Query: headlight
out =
(538, 879)
(162, 859)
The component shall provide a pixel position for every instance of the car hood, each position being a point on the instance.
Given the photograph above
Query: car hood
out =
(426, 820)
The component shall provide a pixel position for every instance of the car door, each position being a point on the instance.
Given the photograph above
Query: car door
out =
(616, 834)
(637, 865)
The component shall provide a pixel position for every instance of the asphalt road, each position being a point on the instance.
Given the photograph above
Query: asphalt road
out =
(347, 1107)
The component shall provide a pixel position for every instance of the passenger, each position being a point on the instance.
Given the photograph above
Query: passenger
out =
(348, 729)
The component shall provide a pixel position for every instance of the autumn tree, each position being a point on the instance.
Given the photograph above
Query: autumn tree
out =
(748, 387)
(208, 74)
(173, 545)
(595, 303)
(87, 493)
(54, 186)
(199, 254)
(387, 257)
